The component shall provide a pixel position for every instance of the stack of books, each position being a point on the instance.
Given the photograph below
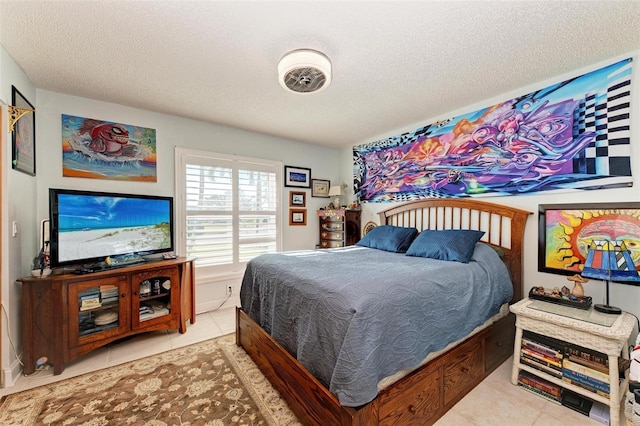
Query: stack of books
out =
(540, 386)
(89, 299)
(579, 366)
(108, 294)
(542, 353)
(586, 368)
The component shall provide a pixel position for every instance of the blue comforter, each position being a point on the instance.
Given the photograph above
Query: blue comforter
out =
(355, 315)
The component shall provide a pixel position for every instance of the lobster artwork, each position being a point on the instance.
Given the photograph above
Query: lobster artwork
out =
(109, 139)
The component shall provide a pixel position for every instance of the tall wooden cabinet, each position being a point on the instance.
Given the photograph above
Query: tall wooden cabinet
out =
(339, 228)
(66, 316)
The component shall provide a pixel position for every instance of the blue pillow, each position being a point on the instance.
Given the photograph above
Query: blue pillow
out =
(449, 244)
(396, 239)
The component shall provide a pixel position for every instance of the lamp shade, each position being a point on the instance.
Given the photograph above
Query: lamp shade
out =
(609, 260)
(335, 191)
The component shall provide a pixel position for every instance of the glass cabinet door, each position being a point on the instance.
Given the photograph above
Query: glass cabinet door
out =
(155, 298)
(98, 309)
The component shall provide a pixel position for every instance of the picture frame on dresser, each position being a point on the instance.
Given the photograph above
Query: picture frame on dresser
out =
(320, 188)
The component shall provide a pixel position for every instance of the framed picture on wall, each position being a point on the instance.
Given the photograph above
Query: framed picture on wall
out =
(569, 232)
(23, 157)
(297, 217)
(320, 188)
(297, 177)
(297, 198)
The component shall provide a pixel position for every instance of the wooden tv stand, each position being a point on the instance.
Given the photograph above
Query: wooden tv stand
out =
(65, 316)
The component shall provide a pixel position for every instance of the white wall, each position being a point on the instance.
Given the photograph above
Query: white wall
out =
(18, 195)
(26, 197)
(172, 131)
(624, 296)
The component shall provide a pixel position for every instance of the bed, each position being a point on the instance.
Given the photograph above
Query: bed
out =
(409, 393)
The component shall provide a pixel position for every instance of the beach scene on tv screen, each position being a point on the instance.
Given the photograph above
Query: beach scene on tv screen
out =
(91, 227)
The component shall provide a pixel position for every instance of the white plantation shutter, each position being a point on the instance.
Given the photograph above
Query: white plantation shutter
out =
(231, 209)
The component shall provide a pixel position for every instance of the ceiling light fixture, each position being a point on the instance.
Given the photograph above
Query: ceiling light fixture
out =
(304, 71)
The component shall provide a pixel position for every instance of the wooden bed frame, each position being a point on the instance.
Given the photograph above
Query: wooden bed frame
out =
(424, 395)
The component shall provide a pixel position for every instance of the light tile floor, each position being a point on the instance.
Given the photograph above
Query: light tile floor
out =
(494, 402)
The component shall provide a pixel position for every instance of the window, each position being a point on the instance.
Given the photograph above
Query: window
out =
(229, 208)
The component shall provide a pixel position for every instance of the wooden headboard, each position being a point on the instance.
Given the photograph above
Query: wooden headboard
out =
(503, 225)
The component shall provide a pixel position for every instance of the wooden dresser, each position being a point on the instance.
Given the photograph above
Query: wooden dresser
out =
(339, 228)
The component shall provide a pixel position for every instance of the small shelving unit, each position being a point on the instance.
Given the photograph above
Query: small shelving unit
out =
(607, 334)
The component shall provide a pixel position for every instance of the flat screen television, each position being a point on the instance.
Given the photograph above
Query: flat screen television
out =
(87, 226)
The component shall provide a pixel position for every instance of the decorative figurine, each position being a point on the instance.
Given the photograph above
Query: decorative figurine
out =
(578, 280)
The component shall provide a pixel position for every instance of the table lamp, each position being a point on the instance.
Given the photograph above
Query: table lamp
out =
(335, 191)
(609, 261)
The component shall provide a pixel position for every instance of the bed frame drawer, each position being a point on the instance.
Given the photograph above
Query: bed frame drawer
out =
(413, 400)
(498, 345)
(464, 369)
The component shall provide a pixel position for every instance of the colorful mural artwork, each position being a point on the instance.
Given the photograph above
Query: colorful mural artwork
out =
(567, 233)
(571, 135)
(104, 150)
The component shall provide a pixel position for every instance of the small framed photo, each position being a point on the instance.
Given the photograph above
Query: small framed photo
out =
(297, 177)
(320, 188)
(297, 217)
(23, 157)
(297, 199)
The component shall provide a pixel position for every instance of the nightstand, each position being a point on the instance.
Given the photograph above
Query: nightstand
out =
(604, 333)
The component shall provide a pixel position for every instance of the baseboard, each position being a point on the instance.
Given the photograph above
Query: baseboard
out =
(10, 375)
(212, 305)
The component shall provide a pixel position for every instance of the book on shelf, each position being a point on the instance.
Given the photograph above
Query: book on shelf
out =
(90, 304)
(551, 389)
(542, 349)
(541, 365)
(89, 292)
(587, 388)
(540, 387)
(585, 356)
(586, 382)
(602, 368)
(587, 371)
(537, 355)
(539, 392)
(546, 341)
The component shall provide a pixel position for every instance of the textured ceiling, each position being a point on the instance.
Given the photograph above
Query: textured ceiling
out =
(395, 63)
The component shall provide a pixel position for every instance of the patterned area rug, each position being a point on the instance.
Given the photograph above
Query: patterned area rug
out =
(209, 383)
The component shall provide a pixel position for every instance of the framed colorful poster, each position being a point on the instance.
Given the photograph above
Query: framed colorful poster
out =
(98, 149)
(567, 232)
(23, 156)
(572, 135)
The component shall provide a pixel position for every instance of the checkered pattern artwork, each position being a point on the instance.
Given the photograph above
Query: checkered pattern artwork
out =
(568, 136)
